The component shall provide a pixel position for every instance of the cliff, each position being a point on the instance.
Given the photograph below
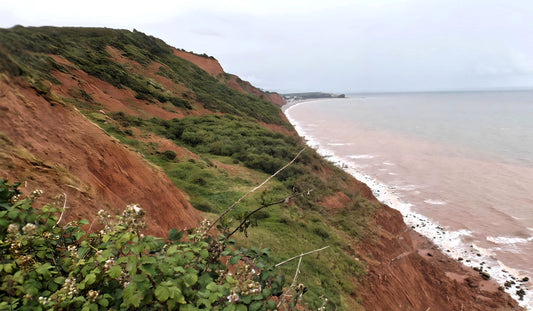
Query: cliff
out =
(104, 118)
(213, 67)
(55, 148)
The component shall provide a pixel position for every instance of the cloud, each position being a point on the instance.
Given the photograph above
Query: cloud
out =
(325, 45)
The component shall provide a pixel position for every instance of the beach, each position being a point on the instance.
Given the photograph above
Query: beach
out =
(449, 195)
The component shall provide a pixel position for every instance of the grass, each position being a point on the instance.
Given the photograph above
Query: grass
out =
(288, 230)
(323, 273)
(234, 140)
(24, 52)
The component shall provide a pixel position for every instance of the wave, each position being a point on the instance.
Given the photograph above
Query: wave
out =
(509, 240)
(452, 243)
(339, 144)
(406, 187)
(361, 156)
(435, 202)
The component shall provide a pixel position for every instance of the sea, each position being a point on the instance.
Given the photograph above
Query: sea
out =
(457, 165)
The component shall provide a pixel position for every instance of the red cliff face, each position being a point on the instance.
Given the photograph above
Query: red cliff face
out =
(53, 147)
(213, 67)
(407, 272)
(50, 145)
(208, 64)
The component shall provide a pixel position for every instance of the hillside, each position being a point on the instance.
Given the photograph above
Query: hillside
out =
(101, 118)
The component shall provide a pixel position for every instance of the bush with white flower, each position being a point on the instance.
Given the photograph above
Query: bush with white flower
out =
(46, 265)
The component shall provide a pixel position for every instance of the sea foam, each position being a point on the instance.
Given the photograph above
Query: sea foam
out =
(509, 240)
(451, 242)
(435, 202)
(361, 156)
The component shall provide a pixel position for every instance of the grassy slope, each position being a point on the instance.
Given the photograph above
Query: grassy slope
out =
(233, 152)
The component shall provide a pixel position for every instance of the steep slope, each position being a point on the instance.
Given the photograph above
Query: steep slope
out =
(55, 148)
(210, 65)
(111, 117)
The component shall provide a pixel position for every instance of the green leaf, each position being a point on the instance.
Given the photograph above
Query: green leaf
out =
(103, 302)
(44, 270)
(78, 235)
(174, 235)
(241, 308)
(59, 280)
(204, 253)
(3, 222)
(255, 306)
(176, 295)
(271, 305)
(162, 293)
(233, 260)
(266, 292)
(115, 271)
(90, 278)
(84, 222)
(131, 296)
(13, 213)
(52, 286)
(19, 277)
(230, 307)
(148, 260)
(204, 302)
(31, 288)
(40, 254)
(82, 251)
(246, 299)
(150, 268)
(131, 265)
(212, 287)
(190, 279)
(8, 268)
(179, 297)
(172, 250)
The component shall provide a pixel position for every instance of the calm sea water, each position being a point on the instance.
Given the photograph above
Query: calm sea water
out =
(459, 166)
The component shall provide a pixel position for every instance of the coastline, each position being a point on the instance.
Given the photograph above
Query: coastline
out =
(428, 237)
(294, 103)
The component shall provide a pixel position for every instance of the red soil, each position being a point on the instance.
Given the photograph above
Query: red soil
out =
(402, 276)
(407, 272)
(209, 65)
(335, 201)
(55, 148)
(166, 144)
(213, 67)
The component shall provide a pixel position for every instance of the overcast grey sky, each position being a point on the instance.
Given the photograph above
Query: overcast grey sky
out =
(326, 45)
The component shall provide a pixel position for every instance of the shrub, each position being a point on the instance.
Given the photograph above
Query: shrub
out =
(49, 266)
(169, 155)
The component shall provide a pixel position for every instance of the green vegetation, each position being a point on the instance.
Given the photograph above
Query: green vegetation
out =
(47, 266)
(232, 153)
(311, 95)
(27, 53)
(245, 141)
(238, 142)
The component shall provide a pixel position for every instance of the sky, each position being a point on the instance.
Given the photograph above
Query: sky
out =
(334, 46)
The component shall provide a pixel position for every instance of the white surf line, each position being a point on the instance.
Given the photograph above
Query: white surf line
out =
(449, 242)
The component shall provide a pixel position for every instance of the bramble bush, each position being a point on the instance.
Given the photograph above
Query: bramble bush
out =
(47, 265)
